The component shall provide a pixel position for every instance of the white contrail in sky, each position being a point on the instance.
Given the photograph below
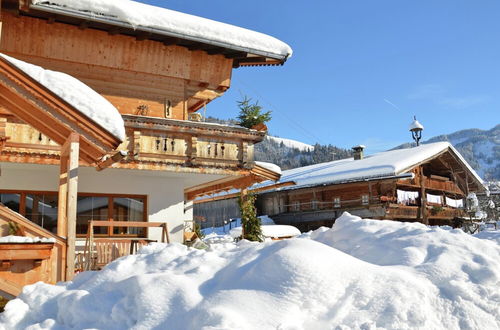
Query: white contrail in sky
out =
(395, 106)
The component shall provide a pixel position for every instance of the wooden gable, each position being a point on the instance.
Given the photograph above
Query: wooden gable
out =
(24, 98)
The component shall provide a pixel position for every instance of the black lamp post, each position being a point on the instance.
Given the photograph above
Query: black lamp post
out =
(416, 130)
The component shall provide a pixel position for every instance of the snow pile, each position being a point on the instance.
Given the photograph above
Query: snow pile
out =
(291, 143)
(367, 275)
(77, 94)
(493, 235)
(270, 231)
(173, 23)
(24, 239)
(233, 223)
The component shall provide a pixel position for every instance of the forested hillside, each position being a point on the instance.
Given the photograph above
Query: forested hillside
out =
(481, 149)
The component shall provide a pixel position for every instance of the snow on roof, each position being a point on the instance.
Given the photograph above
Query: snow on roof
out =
(172, 23)
(77, 94)
(269, 166)
(380, 165)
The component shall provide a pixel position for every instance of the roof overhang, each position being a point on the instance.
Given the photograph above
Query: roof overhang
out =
(241, 56)
(35, 104)
(452, 159)
(254, 175)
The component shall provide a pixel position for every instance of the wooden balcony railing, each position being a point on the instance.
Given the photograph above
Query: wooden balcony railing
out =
(150, 143)
(432, 184)
(398, 211)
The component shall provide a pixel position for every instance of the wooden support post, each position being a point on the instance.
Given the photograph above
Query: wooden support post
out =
(423, 198)
(63, 196)
(68, 189)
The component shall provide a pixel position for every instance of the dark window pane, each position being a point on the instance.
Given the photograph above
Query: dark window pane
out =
(128, 209)
(91, 208)
(11, 201)
(42, 210)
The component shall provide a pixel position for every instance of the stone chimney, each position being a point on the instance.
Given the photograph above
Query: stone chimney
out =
(358, 151)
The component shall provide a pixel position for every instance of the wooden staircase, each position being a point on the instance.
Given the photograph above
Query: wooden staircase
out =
(22, 264)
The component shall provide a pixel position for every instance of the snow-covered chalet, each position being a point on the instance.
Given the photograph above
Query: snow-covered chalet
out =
(99, 131)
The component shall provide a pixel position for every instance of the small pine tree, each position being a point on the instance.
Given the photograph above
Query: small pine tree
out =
(250, 113)
(249, 220)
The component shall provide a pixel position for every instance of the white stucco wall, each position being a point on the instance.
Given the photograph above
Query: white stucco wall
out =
(164, 190)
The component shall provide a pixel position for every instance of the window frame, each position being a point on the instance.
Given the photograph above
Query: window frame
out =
(365, 199)
(110, 196)
(337, 202)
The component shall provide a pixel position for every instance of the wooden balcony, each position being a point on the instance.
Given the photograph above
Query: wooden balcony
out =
(153, 144)
(432, 184)
(397, 211)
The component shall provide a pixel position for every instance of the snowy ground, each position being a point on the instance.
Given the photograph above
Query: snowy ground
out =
(361, 274)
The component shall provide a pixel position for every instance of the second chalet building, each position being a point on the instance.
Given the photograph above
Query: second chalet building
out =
(428, 184)
(98, 125)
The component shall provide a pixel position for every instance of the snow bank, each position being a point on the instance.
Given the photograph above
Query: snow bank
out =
(270, 231)
(76, 93)
(24, 239)
(493, 235)
(361, 274)
(173, 23)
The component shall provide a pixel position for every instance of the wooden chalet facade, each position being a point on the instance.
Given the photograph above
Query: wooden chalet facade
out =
(427, 184)
(61, 169)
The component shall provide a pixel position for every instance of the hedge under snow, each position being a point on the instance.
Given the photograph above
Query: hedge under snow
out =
(361, 274)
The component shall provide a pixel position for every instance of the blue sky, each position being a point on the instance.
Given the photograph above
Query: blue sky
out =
(362, 69)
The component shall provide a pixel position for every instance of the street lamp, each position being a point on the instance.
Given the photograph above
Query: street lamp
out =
(416, 130)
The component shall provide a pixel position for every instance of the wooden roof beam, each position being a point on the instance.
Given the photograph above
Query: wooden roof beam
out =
(141, 36)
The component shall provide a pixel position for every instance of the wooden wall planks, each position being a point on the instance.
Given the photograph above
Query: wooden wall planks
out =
(128, 72)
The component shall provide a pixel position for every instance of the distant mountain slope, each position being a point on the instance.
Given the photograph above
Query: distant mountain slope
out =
(291, 143)
(481, 148)
(289, 154)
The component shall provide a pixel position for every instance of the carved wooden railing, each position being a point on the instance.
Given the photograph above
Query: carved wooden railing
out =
(151, 141)
(189, 143)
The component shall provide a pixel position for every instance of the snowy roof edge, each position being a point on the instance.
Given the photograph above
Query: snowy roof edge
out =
(88, 15)
(446, 145)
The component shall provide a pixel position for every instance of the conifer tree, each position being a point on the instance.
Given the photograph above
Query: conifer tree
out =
(251, 113)
(249, 221)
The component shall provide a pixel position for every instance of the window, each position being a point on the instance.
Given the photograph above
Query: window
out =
(91, 208)
(128, 209)
(365, 200)
(11, 200)
(41, 208)
(336, 202)
(296, 206)
(314, 204)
